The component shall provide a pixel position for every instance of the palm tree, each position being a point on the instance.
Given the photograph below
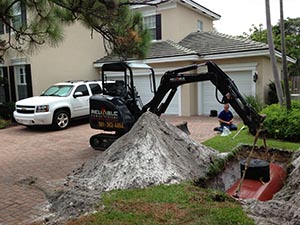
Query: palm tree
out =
(284, 61)
(272, 54)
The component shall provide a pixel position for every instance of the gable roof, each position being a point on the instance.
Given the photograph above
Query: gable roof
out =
(159, 4)
(208, 43)
(203, 46)
(199, 8)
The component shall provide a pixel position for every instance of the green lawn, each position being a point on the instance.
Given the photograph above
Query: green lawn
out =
(225, 144)
(174, 204)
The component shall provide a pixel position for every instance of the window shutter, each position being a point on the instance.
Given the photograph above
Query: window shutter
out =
(6, 87)
(1, 27)
(12, 83)
(23, 14)
(28, 80)
(158, 27)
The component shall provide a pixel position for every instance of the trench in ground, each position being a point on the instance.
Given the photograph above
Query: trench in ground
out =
(230, 172)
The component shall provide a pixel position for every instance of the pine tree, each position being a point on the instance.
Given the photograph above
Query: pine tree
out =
(121, 28)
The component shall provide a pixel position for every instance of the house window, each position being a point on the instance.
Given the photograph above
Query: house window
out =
(19, 18)
(2, 89)
(200, 25)
(21, 83)
(153, 24)
(21, 76)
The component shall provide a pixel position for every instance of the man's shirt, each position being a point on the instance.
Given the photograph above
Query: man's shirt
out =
(226, 116)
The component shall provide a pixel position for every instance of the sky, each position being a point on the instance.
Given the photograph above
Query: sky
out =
(237, 16)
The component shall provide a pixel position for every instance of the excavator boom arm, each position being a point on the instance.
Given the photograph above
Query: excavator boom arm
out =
(171, 80)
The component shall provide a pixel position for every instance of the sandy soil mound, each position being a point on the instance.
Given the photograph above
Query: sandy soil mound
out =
(153, 152)
(284, 208)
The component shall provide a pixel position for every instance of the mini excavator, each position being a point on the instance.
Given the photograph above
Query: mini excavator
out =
(120, 106)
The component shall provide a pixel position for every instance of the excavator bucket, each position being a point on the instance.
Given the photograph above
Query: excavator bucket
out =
(184, 127)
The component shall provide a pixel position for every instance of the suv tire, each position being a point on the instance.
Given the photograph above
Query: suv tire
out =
(61, 120)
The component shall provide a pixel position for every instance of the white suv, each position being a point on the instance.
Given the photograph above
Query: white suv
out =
(58, 104)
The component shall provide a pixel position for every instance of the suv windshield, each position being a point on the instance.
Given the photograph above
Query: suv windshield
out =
(58, 90)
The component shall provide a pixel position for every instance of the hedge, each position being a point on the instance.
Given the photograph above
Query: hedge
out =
(283, 124)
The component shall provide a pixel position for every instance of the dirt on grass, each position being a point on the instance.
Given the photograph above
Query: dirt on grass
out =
(152, 153)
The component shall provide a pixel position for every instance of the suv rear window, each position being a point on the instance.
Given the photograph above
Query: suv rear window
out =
(96, 89)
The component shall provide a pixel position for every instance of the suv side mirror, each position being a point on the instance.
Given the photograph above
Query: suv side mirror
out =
(78, 94)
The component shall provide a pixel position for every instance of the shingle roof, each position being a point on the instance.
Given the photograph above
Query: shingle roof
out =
(167, 49)
(208, 43)
(199, 43)
(159, 49)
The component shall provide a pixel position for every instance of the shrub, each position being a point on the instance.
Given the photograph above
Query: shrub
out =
(255, 102)
(296, 104)
(6, 110)
(283, 124)
(4, 123)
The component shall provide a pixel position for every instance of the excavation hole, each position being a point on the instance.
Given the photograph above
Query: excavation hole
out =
(226, 175)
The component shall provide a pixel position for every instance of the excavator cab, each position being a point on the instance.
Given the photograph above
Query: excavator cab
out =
(120, 105)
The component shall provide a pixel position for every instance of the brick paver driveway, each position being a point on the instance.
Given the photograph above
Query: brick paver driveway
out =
(46, 157)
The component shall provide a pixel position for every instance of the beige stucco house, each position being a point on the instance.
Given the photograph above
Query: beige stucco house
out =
(188, 37)
(183, 34)
(72, 60)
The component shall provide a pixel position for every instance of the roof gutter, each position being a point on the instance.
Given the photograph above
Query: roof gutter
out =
(179, 58)
(196, 57)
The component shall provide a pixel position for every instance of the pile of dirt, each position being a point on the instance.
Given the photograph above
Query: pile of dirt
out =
(284, 208)
(152, 153)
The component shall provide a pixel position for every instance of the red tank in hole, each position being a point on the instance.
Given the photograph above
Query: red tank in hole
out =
(262, 180)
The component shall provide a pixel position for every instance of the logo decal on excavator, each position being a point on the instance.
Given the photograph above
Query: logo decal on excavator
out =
(107, 114)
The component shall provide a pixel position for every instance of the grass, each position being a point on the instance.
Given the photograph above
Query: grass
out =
(174, 204)
(225, 144)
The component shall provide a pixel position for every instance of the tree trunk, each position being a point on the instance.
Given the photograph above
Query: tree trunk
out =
(284, 61)
(272, 54)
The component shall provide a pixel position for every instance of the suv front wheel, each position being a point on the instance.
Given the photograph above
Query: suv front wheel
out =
(61, 120)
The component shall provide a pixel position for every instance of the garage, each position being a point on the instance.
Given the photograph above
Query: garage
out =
(207, 91)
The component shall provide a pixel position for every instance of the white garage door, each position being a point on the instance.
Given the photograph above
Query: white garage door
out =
(142, 84)
(207, 91)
